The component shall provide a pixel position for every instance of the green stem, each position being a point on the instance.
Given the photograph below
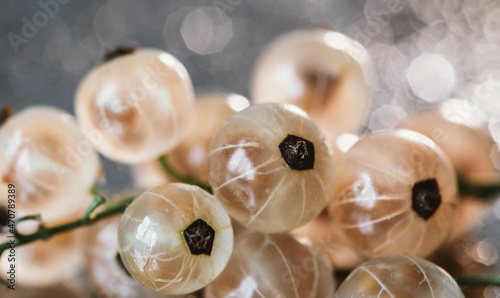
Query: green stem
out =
(181, 178)
(109, 209)
(483, 190)
(478, 280)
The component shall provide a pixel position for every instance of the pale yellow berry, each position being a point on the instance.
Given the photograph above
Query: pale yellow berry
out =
(49, 163)
(395, 193)
(175, 238)
(457, 127)
(325, 73)
(270, 168)
(105, 268)
(277, 265)
(135, 106)
(399, 276)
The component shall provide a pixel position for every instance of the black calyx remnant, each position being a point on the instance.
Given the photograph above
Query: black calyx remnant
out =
(120, 262)
(199, 237)
(425, 198)
(117, 52)
(297, 152)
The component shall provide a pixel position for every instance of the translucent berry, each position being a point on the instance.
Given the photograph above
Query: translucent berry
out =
(137, 105)
(458, 128)
(49, 161)
(270, 168)
(395, 193)
(323, 72)
(399, 276)
(105, 267)
(277, 265)
(175, 238)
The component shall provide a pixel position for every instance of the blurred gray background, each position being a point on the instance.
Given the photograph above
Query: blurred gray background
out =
(48, 46)
(424, 51)
(218, 41)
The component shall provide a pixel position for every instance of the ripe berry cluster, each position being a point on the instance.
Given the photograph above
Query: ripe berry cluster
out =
(276, 166)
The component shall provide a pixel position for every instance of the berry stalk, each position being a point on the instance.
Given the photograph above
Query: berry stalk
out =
(181, 178)
(108, 209)
(483, 190)
(478, 280)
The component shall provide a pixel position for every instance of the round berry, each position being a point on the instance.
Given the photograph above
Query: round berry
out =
(395, 193)
(277, 265)
(270, 167)
(175, 238)
(137, 105)
(105, 267)
(49, 162)
(399, 276)
(457, 127)
(323, 72)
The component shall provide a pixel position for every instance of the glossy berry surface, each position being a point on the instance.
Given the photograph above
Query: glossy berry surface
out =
(46, 157)
(323, 72)
(274, 265)
(137, 105)
(395, 193)
(270, 168)
(105, 267)
(458, 127)
(399, 276)
(175, 238)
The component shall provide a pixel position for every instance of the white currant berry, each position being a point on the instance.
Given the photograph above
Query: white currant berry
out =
(136, 106)
(395, 192)
(49, 161)
(457, 127)
(323, 72)
(274, 265)
(175, 238)
(270, 167)
(399, 276)
(105, 267)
